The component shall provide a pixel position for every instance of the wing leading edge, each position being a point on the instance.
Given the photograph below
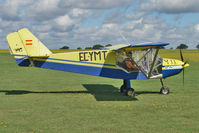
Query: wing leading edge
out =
(141, 46)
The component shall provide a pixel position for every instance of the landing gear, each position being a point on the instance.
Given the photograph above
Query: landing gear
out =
(122, 89)
(126, 88)
(164, 90)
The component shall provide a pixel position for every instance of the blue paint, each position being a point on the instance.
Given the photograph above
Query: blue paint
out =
(167, 73)
(81, 62)
(128, 84)
(23, 62)
(20, 55)
(96, 71)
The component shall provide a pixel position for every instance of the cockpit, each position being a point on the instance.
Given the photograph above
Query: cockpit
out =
(143, 60)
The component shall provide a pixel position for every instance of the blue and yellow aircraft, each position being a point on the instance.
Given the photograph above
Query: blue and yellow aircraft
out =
(127, 62)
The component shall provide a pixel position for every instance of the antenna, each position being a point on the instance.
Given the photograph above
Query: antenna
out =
(124, 38)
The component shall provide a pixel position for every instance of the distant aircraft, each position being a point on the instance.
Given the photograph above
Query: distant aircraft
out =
(137, 61)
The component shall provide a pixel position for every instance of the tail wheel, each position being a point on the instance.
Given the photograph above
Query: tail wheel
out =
(164, 90)
(130, 92)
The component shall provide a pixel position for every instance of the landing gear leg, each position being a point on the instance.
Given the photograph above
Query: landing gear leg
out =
(164, 90)
(126, 88)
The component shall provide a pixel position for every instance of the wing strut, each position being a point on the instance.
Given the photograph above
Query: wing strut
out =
(154, 59)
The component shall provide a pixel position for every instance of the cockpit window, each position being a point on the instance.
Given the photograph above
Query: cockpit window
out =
(139, 61)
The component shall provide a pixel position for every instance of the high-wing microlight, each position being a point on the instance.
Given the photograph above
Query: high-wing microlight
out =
(126, 62)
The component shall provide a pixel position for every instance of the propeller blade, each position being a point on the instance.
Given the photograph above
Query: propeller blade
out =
(183, 76)
(186, 62)
(182, 59)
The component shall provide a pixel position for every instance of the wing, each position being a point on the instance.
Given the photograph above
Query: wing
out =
(116, 47)
(140, 46)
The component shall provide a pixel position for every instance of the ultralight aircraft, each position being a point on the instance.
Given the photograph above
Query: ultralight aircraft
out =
(127, 62)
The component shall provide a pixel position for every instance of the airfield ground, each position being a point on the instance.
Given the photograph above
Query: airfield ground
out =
(34, 100)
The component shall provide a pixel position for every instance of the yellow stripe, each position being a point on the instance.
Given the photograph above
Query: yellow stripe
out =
(75, 63)
(18, 57)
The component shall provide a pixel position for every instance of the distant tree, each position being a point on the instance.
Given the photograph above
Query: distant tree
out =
(197, 46)
(64, 47)
(182, 46)
(79, 48)
(88, 48)
(162, 47)
(97, 46)
(108, 45)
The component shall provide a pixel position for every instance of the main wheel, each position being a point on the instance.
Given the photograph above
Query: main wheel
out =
(130, 92)
(164, 90)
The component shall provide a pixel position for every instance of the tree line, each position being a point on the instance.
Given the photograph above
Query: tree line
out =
(99, 46)
(96, 46)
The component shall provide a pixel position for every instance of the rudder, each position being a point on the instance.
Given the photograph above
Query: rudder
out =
(17, 49)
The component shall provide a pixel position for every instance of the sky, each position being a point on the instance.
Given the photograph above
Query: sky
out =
(83, 23)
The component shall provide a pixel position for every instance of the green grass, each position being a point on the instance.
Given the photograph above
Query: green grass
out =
(34, 100)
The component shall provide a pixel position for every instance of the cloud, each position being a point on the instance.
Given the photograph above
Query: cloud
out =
(59, 22)
(114, 17)
(171, 6)
(96, 4)
(44, 10)
(135, 15)
(10, 10)
(197, 27)
(64, 23)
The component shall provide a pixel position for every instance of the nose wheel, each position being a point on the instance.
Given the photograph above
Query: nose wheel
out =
(164, 90)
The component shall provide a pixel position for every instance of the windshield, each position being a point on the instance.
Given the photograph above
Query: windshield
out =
(143, 61)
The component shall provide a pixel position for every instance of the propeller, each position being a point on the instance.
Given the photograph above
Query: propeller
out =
(182, 59)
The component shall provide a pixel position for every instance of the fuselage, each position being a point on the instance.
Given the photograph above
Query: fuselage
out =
(98, 63)
(137, 61)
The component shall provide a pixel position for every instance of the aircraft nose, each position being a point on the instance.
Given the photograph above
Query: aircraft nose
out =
(185, 65)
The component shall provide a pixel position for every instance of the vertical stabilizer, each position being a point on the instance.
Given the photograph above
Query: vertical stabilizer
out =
(24, 45)
(33, 46)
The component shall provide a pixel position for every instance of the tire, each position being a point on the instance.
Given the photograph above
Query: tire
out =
(130, 92)
(164, 90)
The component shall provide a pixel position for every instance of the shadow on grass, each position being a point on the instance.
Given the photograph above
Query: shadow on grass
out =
(103, 92)
(146, 92)
(100, 92)
(21, 92)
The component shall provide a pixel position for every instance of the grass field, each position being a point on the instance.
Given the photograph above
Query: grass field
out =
(34, 100)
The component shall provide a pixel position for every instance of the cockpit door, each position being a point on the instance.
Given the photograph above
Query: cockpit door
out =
(146, 61)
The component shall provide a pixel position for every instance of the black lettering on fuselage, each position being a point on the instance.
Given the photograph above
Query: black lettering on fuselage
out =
(81, 57)
(85, 59)
(97, 53)
(166, 61)
(104, 52)
(90, 56)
